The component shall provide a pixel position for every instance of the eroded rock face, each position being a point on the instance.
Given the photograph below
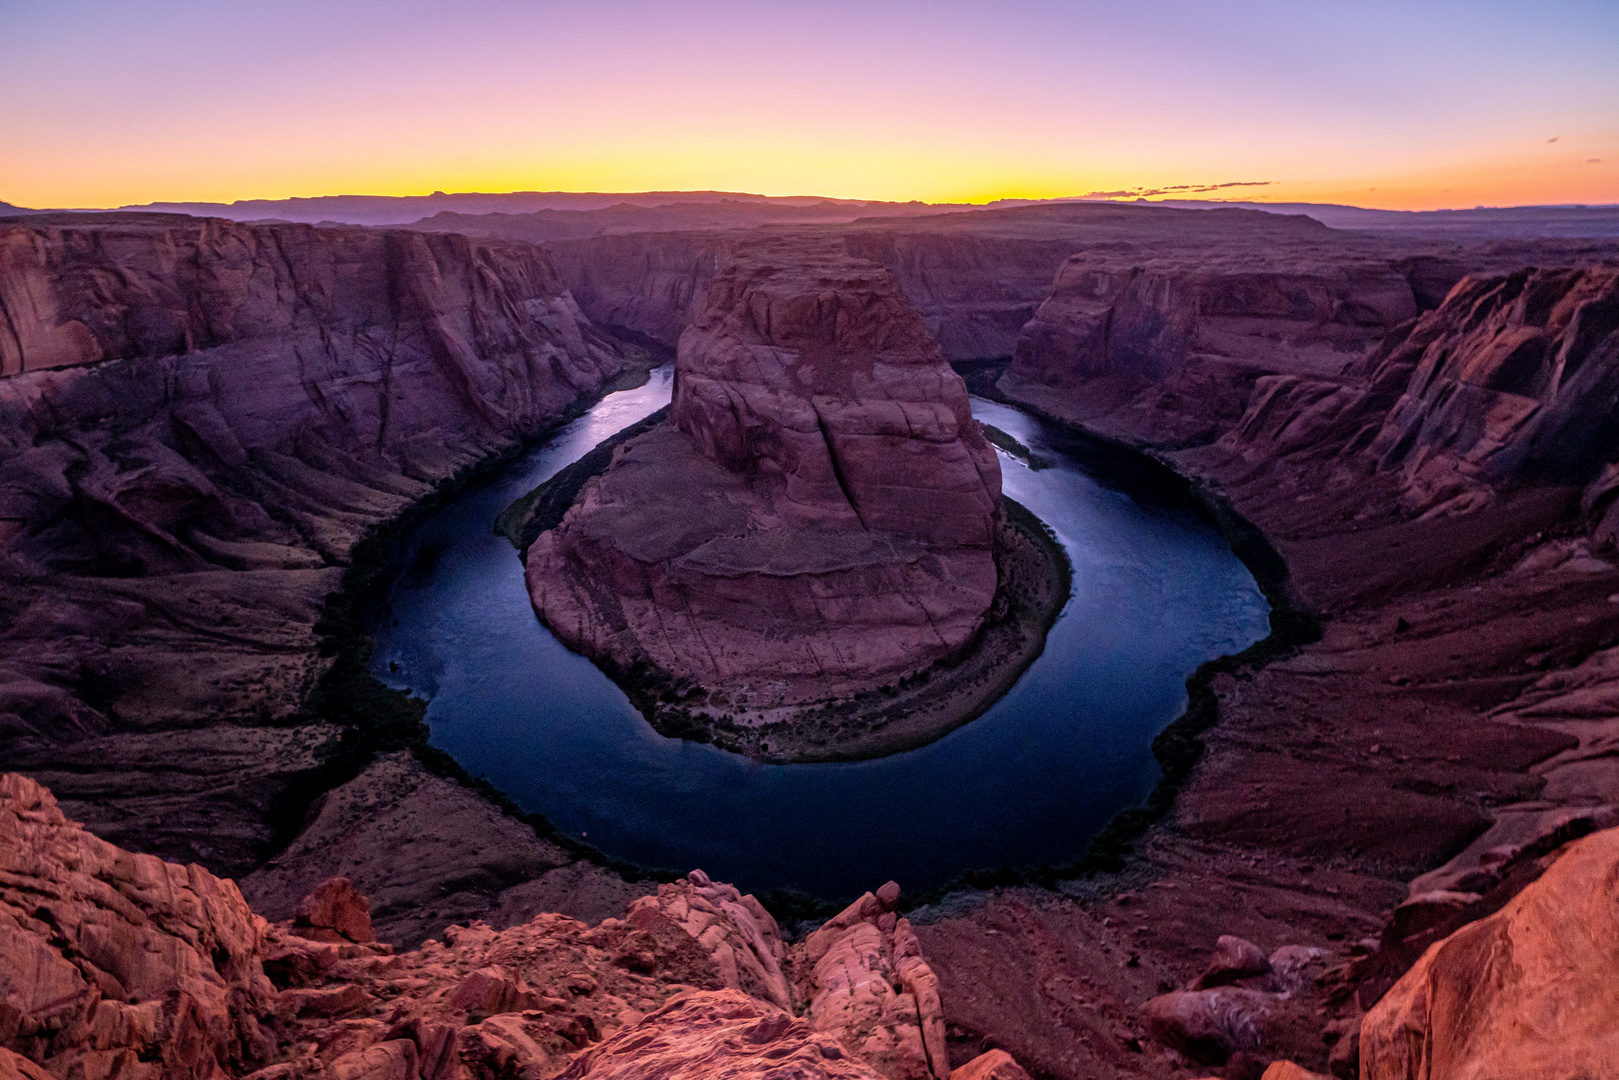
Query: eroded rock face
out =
(719, 1036)
(1104, 318)
(1198, 327)
(1530, 991)
(738, 933)
(120, 965)
(199, 422)
(864, 979)
(817, 519)
(1168, 338)
(1511, 380)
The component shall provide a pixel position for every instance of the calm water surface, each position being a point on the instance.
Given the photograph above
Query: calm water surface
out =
(1156, 592)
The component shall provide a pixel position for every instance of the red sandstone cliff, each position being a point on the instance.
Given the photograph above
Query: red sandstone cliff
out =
(1121, 328)
(1510, 382)
(975, 278)
(818, 517)
(199, 423)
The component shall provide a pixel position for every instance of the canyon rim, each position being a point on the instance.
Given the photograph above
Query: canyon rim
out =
(1108, 571)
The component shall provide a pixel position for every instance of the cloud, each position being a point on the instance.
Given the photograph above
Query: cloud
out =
(1554, 138)
(1593, 161)
(1177, 189)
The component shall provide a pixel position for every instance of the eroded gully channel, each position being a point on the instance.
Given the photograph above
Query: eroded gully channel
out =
(1156, 592)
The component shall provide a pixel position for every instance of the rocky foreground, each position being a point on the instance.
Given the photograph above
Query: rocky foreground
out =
(805, 554)
(121, 965)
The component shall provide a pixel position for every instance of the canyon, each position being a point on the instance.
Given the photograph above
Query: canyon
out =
(210, 430)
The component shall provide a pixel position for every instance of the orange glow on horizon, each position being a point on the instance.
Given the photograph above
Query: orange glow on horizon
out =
(1578, 179)
(891, 100)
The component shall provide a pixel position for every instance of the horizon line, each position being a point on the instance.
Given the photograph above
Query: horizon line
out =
(987, 204)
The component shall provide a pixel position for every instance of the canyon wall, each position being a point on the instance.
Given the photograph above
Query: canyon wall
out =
(1163, 343)
(200, 422)
(1126, 334)
(1257, 282)
(974, 292)
(1512, 381)
(652, 284)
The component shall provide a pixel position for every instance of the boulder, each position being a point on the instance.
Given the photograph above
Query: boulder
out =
(1529, 992)
(1211, 1025)
(1233, 959)
(1287, 1070)
(992, 1065)
(335, 911)
(1295, 969)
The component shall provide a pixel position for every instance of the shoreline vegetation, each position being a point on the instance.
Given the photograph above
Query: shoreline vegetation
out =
(1034, 584)
(1011, 445)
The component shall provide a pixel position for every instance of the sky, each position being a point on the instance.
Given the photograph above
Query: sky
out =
(1404, 105)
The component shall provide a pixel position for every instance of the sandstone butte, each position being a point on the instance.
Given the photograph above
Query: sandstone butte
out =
(818, 522)
(115, 965)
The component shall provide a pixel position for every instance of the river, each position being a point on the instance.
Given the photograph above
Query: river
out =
(1156, 592)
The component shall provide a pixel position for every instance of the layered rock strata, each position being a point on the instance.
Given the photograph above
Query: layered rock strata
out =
(976, 278)
(1369, 794)
(1505, 384)
(818, 520)
(200, 422)
(121, 965)
(1162, 343)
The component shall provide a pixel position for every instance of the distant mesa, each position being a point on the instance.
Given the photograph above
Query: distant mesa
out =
(811, 558)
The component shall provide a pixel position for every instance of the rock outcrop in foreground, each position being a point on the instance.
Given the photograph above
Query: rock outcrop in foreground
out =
(1530, 992)
(818, 520)
(115, 965)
